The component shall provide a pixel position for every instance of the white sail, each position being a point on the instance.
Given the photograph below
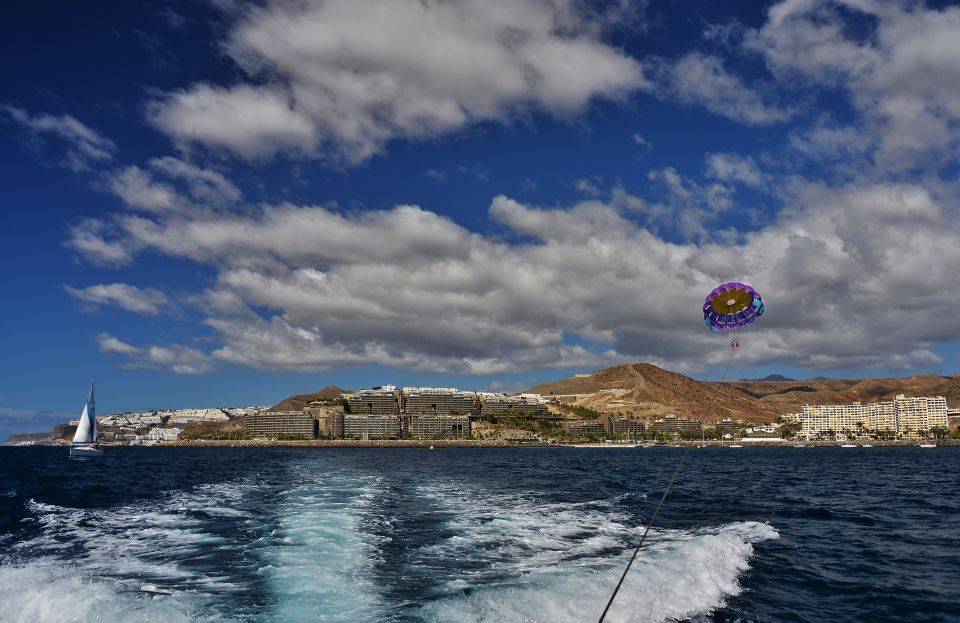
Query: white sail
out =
(87, 429)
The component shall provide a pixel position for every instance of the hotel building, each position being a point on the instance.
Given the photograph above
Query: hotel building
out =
(620, 426)
(438, 401)
(671, 423)
(526, 405)
(281, 423)
(383, 400)
(903, 416)
(371, 426)
(431, 426)
(586, 427)
(920, 414)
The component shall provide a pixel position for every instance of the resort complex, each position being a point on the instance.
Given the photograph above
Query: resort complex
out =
(903, 417)
(386, 412)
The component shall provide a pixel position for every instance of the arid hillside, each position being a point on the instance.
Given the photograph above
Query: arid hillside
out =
(645, 390)
(797, 393)
(298, 402)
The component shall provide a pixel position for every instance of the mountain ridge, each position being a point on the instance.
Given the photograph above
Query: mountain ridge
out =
(645, 390)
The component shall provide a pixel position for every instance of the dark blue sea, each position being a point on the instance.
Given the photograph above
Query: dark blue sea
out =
(750, 534)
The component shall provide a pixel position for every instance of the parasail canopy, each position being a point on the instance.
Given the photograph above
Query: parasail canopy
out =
(731, 306)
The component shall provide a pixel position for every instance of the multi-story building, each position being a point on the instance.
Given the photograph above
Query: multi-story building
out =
(383, 400)
(902, 416)
(189, 416)
(371, 426)
(818, 419)
(530, 405)
(431, 426)
(438, 401)
(917, 416)
(330, 425)
(585, 427)
(281, 424)
(623, 427)
(671, 423)
(165, 434)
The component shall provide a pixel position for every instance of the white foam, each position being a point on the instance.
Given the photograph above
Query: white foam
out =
(529, 560)
(320, 557)
(516, 557)
(141, 561)
(517, 533)
(43, 592)
(147, 540)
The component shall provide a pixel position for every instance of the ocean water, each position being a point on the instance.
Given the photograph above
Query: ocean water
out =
(751, 534)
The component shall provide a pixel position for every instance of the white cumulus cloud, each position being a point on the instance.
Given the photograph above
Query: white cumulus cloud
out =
(902, 75)
(734, 168)
(340, 79)
(175, 358)
(81, 146)
(147, 301)
(703, 80)
(171, 185)
(309, 287)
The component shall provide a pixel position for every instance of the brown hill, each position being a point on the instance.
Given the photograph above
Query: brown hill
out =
(794, 394)
(949, 389)
(298, 402)
(645, 390)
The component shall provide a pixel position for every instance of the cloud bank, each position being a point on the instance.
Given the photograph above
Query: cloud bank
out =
(302, 287)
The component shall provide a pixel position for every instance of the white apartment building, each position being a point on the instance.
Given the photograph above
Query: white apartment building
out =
(816, 420)
(903, 416)
(920, 414)
(186, 416)
(165, 434)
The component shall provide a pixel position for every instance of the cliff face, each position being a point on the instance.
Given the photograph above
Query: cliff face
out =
(644, 390)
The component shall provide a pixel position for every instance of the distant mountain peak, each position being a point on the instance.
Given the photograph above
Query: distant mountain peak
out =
(776, 377)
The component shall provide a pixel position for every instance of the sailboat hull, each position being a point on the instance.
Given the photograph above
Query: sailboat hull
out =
(84, 440)
(85, 451)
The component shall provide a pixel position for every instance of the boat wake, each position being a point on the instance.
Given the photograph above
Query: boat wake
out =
(530, 561)
(170, 559)
(348, 546)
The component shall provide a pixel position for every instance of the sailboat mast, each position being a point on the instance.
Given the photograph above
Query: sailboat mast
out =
(93, 412)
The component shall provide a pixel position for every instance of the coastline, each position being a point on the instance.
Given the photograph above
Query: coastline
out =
(353, 443)
(489, 443)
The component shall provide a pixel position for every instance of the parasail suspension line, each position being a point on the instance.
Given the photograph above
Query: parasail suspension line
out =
(663, 498)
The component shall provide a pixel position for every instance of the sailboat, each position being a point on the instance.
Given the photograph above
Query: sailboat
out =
(84, 441)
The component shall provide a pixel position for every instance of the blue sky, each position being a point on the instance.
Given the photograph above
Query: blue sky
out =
(219, 203)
